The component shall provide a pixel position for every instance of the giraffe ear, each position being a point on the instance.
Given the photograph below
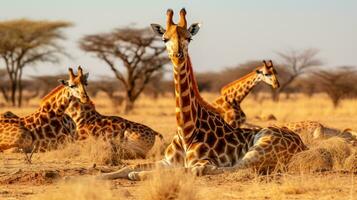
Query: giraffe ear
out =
(194, 28)
(63, 82)
(157, 28)
(85, 78)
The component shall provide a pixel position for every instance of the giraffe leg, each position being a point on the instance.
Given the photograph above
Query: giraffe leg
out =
(251, 159)
(205, 168)
(199, 169)
(174, 156)
(132, 171)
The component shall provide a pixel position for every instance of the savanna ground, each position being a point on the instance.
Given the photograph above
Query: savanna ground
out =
(68, 173)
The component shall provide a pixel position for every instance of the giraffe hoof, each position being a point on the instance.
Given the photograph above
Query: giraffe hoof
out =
(134, 176)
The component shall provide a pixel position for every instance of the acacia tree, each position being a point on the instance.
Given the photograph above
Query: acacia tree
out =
(133, 55)
(337, 84)
(295, 64)
(25, 42)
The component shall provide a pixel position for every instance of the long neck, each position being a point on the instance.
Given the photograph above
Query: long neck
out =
(56, 101)
(81, 113)
(188, 99)
(239, 89)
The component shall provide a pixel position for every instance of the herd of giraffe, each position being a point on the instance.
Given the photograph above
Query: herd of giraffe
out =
(210, 137)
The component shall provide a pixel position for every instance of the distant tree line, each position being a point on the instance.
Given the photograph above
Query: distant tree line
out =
(137, 60)
(134, 55)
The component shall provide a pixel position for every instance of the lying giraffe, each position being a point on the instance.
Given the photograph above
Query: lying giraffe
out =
(136, 138)
(310, 131)
(228, 104)
(44, 129)
(66, 120)
(8, 114)
(204, 143)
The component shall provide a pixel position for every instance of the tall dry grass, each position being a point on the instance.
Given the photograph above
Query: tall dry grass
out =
(169, 184)
(91, 150)
(323, 155)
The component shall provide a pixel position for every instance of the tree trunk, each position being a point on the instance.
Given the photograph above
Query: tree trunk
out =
(19, 97)
(336, 102)
(13, 92)
(128, 105)
(4, 94)
(20, 87)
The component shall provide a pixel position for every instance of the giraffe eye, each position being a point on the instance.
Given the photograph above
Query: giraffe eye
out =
(72, 86)
(165, 40)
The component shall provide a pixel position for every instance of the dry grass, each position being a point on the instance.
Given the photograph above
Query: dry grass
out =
(308, 187)
(323, 155)
(81, 189)
(338, 148)
(351, 162)
(172, 184)
(160, 115)
(312, 160)
(92, 150)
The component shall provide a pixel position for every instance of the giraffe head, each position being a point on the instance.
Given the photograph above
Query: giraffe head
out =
(176, 36)
(267, 73)
(8, 114)
(76, 85)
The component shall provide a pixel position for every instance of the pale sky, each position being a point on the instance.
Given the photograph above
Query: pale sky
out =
(232, 32)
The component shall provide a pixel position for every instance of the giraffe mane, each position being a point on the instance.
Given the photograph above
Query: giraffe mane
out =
(91, 103)
(234, 83)
(52, 93)
(196, 91)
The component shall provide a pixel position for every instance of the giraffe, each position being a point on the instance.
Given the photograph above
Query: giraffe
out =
(228, 104)
(8, 114)
(137, 138)
(204, 142)
(66, 120)
(44, 129)
(311, 131)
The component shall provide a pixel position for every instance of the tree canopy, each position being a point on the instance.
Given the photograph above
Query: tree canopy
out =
(26, 42)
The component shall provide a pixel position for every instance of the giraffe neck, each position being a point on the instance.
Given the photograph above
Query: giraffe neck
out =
(56, 101)
(188, 100)
(239, 89)
(81, 113)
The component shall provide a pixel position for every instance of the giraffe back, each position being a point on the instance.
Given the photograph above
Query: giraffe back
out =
(135, 137)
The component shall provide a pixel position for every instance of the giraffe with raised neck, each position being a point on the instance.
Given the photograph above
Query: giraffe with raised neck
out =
(45, 128)
(136, 138)
(232, 94)
(205, 143)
